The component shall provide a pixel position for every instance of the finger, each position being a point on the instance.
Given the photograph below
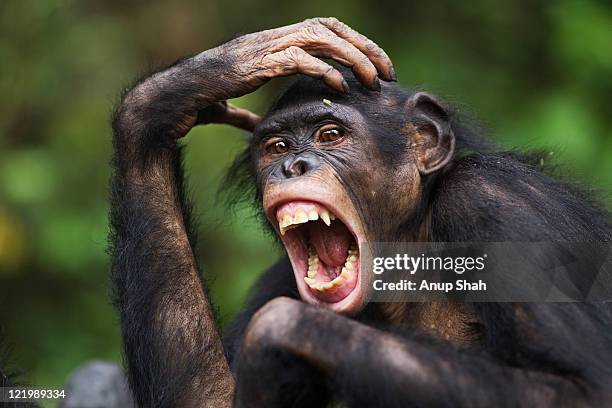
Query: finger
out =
(224, 113)
(295, 60)
(240, 118)
(212, 113)
(376, 54)
(279, 32)
(331, 46)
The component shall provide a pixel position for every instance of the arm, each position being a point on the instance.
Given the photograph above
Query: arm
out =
(171, 344)
(363, 366)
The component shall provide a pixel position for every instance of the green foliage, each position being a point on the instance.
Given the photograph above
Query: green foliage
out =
(539, 73)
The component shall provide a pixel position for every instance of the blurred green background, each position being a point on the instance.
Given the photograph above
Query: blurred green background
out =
(537, 73)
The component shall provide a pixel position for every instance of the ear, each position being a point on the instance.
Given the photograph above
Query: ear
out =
(433, 141)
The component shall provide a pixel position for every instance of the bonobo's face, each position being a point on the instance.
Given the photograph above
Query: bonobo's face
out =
(336, 173)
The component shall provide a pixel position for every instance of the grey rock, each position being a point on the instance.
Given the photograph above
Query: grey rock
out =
(98, 384)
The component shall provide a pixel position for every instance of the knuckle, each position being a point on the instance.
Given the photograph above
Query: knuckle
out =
(311, 22)
(329, 21)
(372, 47)
(313, 32)
(294, 53)
(273, 320)
(281, 306)
(330, 72)
(326, 34)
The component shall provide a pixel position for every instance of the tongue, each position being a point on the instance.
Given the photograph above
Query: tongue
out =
(331, 243)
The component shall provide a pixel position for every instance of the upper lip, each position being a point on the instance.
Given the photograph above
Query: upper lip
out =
(333, 212)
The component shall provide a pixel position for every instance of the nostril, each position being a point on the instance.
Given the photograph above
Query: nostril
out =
(289, 169)
(299, 166)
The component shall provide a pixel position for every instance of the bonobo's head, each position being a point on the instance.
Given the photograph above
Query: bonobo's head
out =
(337, 171)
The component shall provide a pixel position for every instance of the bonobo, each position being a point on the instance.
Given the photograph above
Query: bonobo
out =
(344, 157)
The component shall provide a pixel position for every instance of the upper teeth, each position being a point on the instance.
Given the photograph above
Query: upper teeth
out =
(287, 221)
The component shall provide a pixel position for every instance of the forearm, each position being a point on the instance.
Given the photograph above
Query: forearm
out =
(368, 367)
(417, 374)
(172, 347)
(165, 106)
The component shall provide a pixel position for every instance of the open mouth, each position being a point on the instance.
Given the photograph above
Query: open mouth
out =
(324, 252)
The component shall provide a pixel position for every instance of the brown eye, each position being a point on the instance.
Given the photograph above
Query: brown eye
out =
(276, 145)
(329, 134)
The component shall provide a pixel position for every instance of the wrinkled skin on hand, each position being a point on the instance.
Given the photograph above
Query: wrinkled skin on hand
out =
(261, 56)
(244, 64)
(293, 49)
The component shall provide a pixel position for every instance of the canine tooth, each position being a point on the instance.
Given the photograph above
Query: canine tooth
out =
(349, 266)
(312, 273)
(300, 216)
(345, 274)
(313, 215)
(284, 223)
(325, 217)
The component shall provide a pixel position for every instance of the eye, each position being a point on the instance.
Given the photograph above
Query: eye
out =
(276, 145)
(329, 134)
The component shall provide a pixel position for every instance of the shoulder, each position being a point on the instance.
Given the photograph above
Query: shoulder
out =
(506, 196)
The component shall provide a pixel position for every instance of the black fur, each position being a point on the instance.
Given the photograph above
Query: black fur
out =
(483, 194)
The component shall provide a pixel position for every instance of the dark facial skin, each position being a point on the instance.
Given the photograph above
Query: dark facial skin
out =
(350, 155)
(323, 146)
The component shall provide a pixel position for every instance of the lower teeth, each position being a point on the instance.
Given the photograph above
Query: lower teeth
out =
(313, 266)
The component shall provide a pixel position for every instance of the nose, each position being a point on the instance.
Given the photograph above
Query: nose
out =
(300, 165)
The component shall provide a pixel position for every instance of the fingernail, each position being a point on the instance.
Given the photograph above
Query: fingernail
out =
(392, 74)
(345, 86)
(376, 84)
